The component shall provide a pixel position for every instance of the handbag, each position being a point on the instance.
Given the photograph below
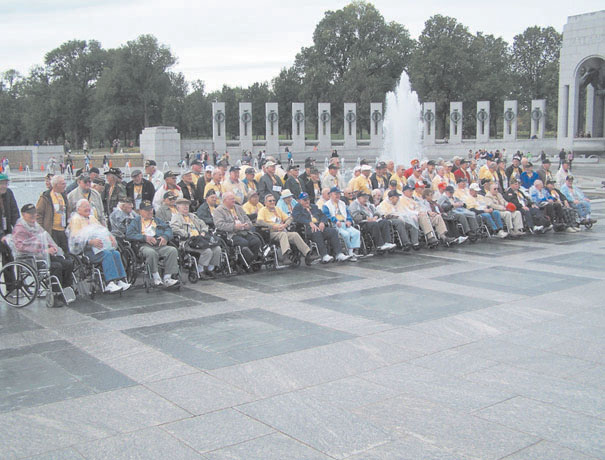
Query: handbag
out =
(203, 242)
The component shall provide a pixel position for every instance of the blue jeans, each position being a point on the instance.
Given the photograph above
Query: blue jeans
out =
(351, 236)
(583, 208)
(493, 219)
(113, 269)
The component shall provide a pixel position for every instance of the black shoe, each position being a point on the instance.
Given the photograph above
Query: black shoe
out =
(203, 276)
(210, 274)
(310, 258)
(407, 247)
(416, 247)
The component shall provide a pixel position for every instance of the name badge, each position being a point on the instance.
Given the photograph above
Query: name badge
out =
(4, 223)
(277, 188)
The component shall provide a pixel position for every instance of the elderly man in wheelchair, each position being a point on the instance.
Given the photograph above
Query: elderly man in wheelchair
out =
(39, 265)
(152, 235)
(195, 238)
(88, 237)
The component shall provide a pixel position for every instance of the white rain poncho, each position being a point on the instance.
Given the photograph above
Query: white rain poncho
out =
(82, 230)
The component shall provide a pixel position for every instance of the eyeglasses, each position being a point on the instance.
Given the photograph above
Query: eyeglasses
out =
(269, 201)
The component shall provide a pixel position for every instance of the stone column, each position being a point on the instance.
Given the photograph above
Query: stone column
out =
(455, 123)
(298, 127)
(482, 121)
(324, 120)
(510, 121)
(245, 126)
(598, 120)
(429, 114)
(272, 128)
(161, 144)
(590, 100)
(219, 137)
(350, 125)
(538, 118)
(376, 121)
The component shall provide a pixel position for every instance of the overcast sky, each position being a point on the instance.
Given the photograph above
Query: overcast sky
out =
(238, 42)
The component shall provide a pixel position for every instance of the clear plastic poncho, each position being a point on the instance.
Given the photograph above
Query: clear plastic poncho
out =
(82, 230)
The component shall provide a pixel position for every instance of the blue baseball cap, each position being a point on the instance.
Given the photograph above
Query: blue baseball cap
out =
(303, 196)
(335, 190)
(406, 187)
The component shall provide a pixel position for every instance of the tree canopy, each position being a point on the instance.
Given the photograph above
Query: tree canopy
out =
(84, 91)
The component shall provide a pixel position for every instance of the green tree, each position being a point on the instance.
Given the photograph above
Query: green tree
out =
(73, 69)
(287, 88)
(441, 68)
(197, 112)
(11, 129)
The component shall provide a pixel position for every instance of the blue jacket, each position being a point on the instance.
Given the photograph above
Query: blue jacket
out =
(332, 218)
(539, 197)
(301, 216)
(576, 194)
(527, 181)
(133, 231)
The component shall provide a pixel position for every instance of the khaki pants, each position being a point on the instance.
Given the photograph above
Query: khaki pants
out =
(152, 256)
(432, 226)
(513, 220)
(285, 238)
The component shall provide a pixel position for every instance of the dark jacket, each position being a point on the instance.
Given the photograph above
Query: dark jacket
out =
(196, 199)
(133, 231)
(110, 202)
(46, 210)
(311, 191)
(203, 212)
(379, 182)
(147, 193)
(295, 186)
(302, 216)
(511, 196)
(10, 211)
(265, 186)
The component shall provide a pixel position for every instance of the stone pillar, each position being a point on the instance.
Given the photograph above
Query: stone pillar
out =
(219, 137)
(510, 121)
(598, 120)
(455, 123)
(376, 121)
(324, 120)
(428, 116)
(245, 126)
(350, 125)
(298, 127)
(538, 118)
(482, 121)
(272, 128)
(161, 144)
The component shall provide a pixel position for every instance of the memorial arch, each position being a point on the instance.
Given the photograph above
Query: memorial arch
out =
(590, 87)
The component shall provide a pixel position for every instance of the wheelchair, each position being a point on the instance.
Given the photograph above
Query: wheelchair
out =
(368, 245)
(88, 276)
(27, 278)
(138, 266)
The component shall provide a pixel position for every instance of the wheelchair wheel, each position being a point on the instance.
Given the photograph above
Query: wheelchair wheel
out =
(19, 284)
(129, 260)
(192, 277)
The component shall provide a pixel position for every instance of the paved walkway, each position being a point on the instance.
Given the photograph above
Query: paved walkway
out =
(488, 351)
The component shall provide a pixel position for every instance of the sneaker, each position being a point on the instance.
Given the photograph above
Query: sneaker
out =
(416, 247)
(548, 229)
(432, 241)
(502, 234)
(461, 239)
(157, 280)
(124, 285)
(353, 258)
(538, 228)
(310, 258)
(391, 245)
(569, 230)
(112, 287)
(327, 259)
(170, 282)
(340, 257)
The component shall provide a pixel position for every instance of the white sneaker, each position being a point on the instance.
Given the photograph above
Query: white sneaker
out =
(156, 279)
(112, 287)
(124, 285)
(461, 239)
(391, 245)
(502, 234)
(538, 228)
(170, 282)
(327, 259)
(340, 257)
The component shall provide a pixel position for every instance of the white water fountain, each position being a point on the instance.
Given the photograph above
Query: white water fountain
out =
(402, 124)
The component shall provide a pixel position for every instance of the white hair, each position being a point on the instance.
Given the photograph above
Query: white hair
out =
(55, 180)
(80, 202)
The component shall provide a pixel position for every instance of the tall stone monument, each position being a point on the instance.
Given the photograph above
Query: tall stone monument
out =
(455, 123)
(219, 136)
(350, 125)
(582, 83)
(161, 143)
(324, 120)
(429, 113)
(482, 121)
(538, 118)
(298, 127)
(272, 128)
(510, 121)
(245, 126)
(376, 121)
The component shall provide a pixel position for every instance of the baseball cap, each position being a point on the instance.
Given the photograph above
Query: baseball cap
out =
(393, 193)
(449, 188)
(250, 171)
(169, 195)
(168, 174)
(234, 168)
(183, 201)
(94, 170)
(366, 168)
(335, 190)
(270, 163)
(29, 208)
(474, 186)
(150, 163)
(209, 168)
(146, 205)
(303, 196)
(135, 172)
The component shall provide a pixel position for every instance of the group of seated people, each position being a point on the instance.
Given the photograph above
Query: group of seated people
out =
(433, 202)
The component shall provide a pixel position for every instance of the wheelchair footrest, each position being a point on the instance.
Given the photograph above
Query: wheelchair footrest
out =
(69, 295)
